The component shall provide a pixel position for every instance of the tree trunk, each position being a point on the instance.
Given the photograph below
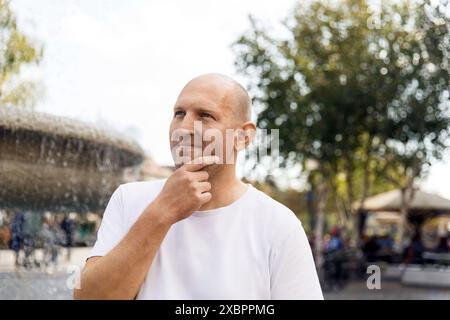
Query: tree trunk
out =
(407, 195)
(365, 192)
(321, 196)
(340, 205)
(341, 212)
(351, 199)
(355, 212)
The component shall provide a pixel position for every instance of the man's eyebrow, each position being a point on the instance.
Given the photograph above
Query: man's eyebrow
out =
(214, 113)
(206, 109)
(203, 108)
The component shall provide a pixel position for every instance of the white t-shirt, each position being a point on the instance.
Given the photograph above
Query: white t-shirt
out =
(254, 248)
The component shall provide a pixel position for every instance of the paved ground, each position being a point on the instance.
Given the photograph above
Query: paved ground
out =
(390, 290)
(51, 283)
(57, 284)
(76, 257)
(33, 285)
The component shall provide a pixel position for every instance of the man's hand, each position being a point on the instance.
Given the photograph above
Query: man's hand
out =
(120, 273)
(185, 191)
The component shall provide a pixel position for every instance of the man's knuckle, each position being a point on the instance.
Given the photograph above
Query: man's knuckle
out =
(198, 196)
(187, 178)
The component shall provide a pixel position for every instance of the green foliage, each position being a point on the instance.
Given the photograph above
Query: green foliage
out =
(362, 90)
(16, 50)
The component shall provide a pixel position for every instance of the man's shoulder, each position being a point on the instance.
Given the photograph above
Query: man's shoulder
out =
(143, 185)
(134, 191)
(274, 212)
(135, 196)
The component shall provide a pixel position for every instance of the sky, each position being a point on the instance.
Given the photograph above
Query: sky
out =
(121, 64)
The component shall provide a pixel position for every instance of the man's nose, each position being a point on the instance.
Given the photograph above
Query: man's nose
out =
(188, 123)
(191, 126)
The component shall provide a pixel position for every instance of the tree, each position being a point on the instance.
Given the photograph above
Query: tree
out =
(16, 50)
(418, 126)
(352, 87)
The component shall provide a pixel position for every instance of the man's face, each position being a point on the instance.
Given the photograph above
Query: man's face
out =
(201, 116)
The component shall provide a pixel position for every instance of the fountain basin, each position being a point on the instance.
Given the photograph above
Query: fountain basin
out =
(58, 164)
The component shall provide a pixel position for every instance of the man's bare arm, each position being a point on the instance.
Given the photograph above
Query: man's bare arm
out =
(120, 273)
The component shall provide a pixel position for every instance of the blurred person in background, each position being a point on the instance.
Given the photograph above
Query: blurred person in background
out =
(385, 247)
(50, 242)
(334, 255)
(413, 253)
(443, 245)
(31, 227)
(69, 227)
(5, 232)
(17, 235)
(370, 248)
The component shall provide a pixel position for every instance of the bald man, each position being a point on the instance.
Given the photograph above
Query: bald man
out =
(202, 233)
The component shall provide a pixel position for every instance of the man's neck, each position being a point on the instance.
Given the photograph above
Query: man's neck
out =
(225, 188)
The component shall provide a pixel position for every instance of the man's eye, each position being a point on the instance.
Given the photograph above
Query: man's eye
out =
(206, 115)
(179, 113)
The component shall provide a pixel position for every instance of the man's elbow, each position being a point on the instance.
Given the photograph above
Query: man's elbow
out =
(78, 294)
(92, 286)
(85, 294)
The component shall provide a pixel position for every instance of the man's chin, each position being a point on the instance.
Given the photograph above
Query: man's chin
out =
(181, 162)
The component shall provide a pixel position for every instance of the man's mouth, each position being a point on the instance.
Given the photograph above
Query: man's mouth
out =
(184, 146)
(187, 150)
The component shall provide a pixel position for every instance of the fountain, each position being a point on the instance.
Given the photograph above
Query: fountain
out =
(50, 163)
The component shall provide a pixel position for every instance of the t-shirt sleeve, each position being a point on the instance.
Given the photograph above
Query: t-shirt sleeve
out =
(111, 229)
(293, 272)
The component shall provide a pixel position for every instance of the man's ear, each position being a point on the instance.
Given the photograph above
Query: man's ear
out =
(245, 135)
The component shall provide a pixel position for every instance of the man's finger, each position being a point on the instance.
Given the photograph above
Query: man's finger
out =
(204, 186)
(200, 175)
(200, 163)
(205, 197)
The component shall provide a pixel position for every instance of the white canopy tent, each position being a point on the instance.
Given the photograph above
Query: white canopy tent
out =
(391, 201)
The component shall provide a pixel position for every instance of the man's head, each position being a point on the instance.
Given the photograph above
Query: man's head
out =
(212, 116)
